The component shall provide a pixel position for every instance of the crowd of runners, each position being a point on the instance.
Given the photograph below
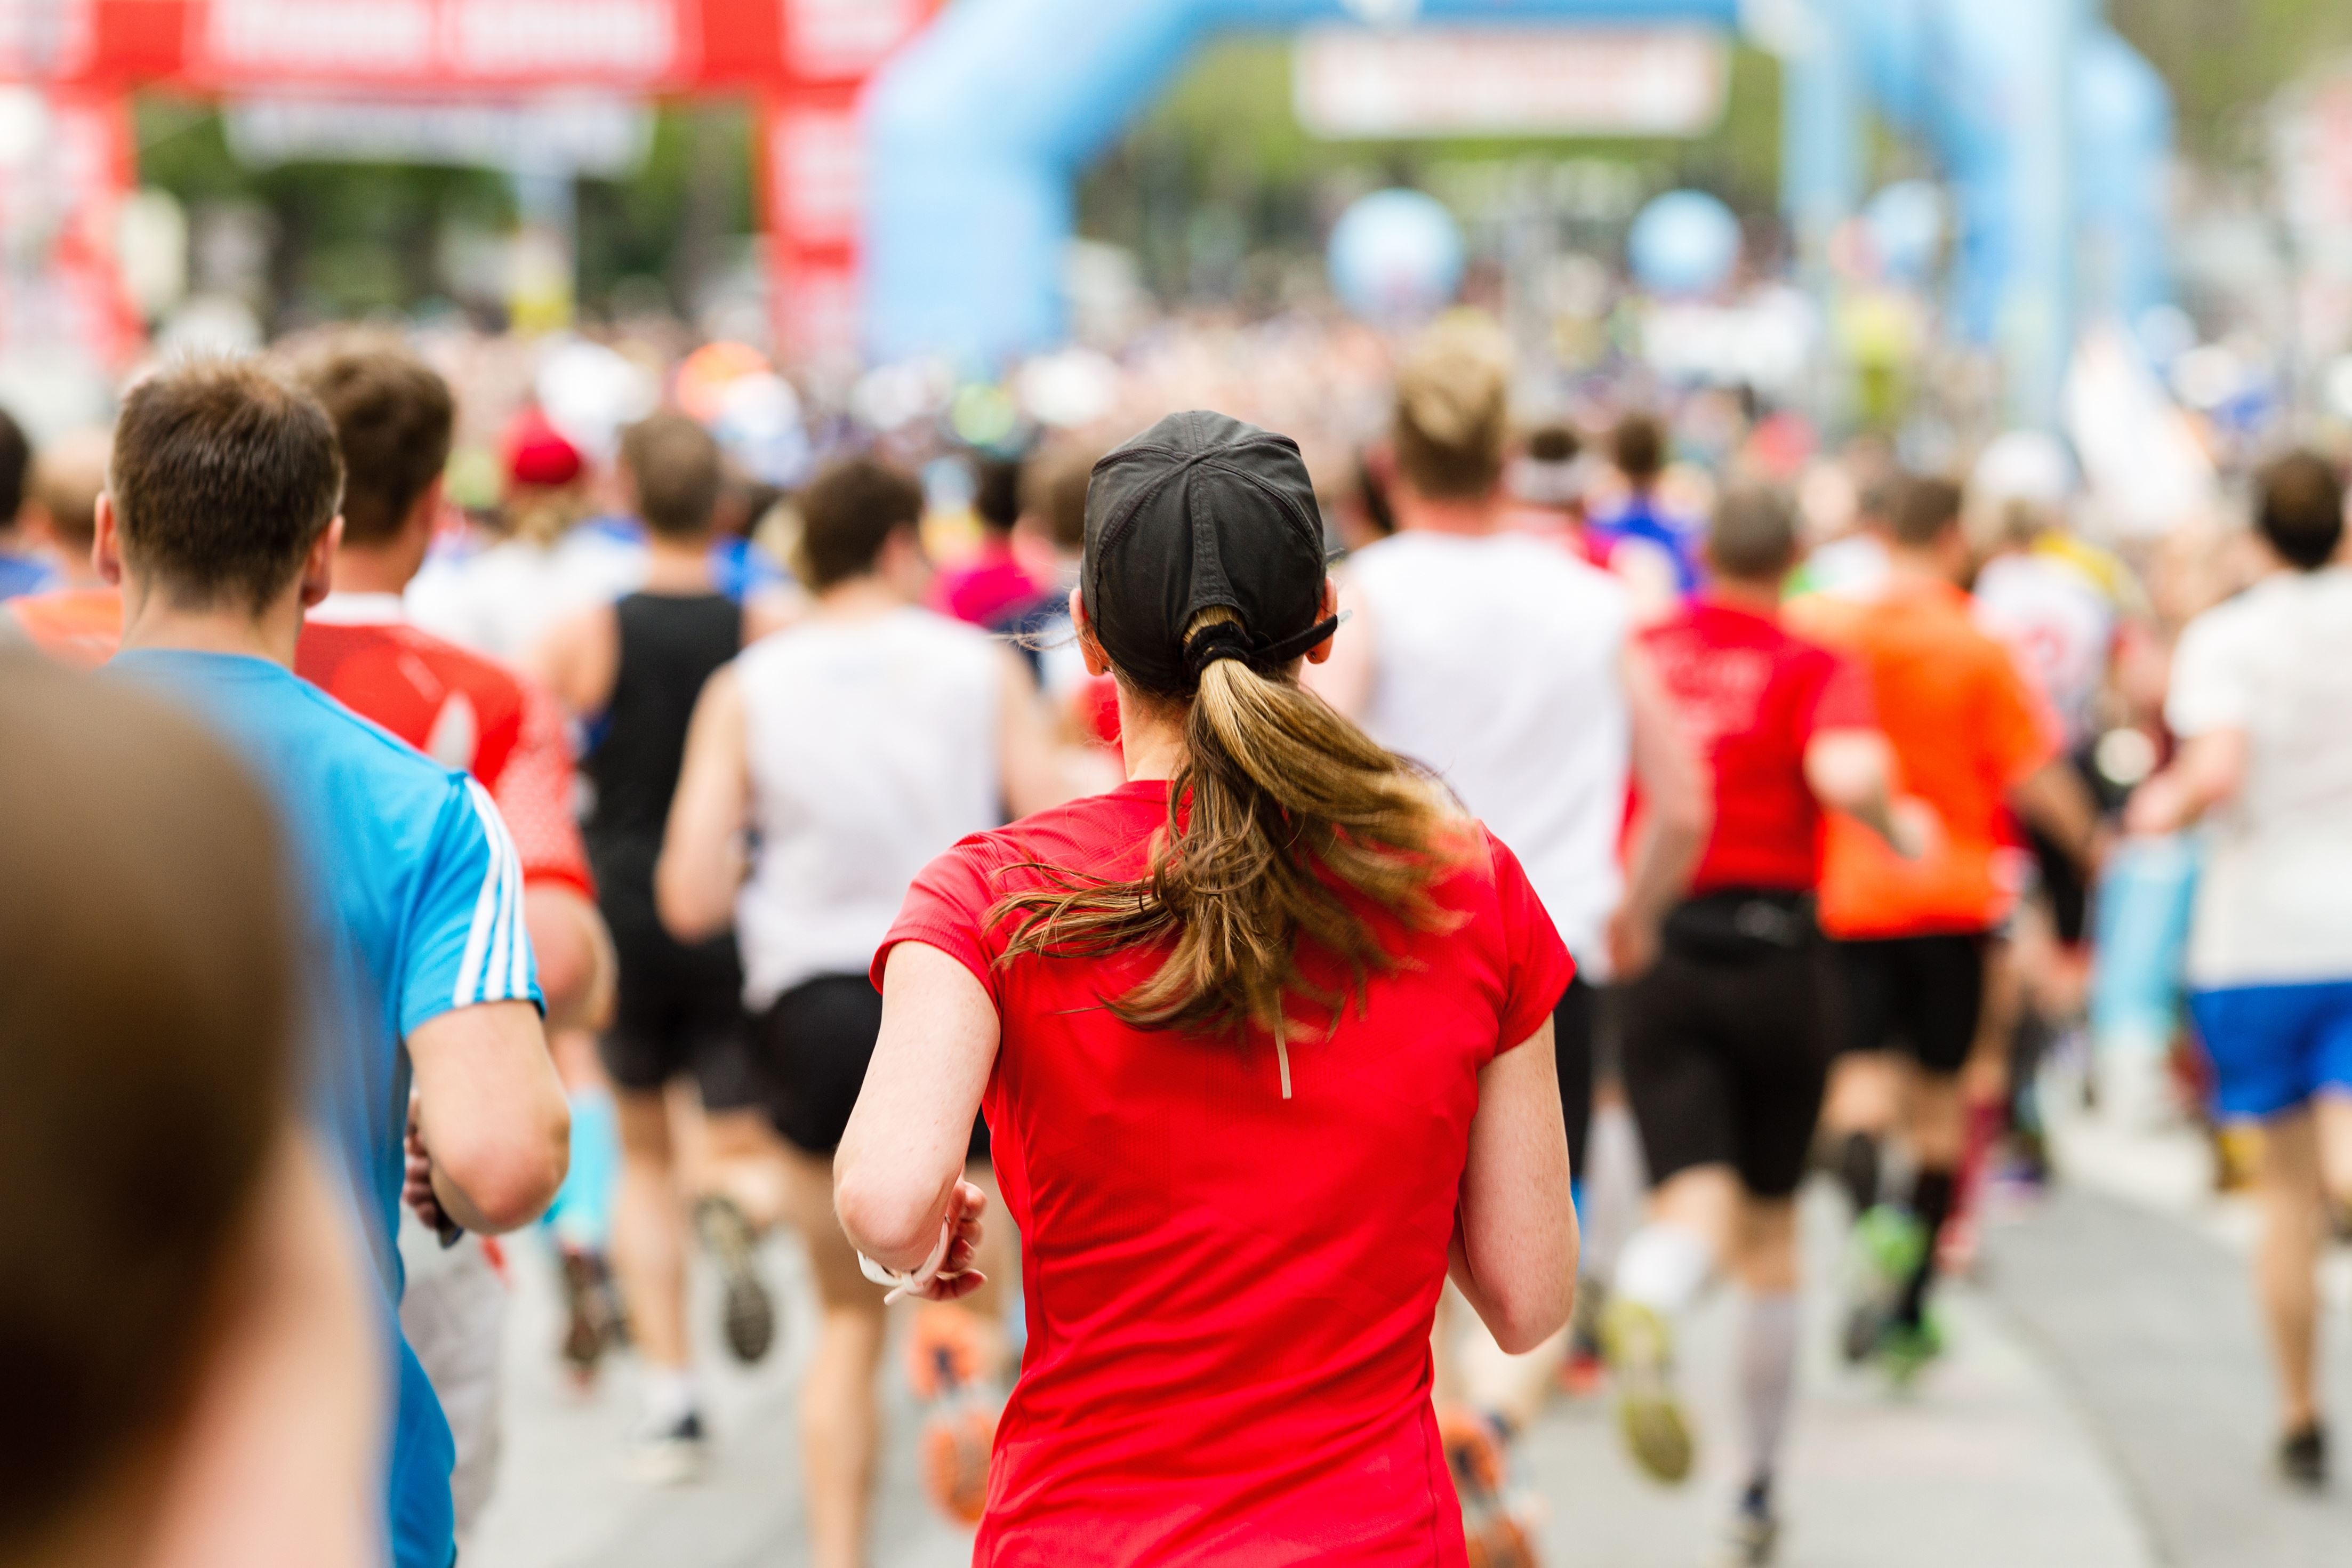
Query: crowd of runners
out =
(1123, 937)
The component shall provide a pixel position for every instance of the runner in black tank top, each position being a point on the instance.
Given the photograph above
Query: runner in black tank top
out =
(632, 673)
(670, 644)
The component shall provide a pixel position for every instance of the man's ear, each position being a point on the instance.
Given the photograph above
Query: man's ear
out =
(1090, 648)
(319, 566)
(106, 543)
(427, 513)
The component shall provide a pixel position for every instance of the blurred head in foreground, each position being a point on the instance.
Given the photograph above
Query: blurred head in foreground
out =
(146, 1022)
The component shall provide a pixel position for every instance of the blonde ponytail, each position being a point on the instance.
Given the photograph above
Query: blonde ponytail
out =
(1281, 812)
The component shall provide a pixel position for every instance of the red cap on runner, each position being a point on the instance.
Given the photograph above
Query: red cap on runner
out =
(537, 453)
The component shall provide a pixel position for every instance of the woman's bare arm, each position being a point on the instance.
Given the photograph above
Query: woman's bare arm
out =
(1515, 1237)
(897, 1177)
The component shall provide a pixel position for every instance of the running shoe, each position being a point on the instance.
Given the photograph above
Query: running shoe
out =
(948, 1364)
(1582, 1369)
(590, 1326)
(2303, 1457)
(1491, 1528)
(1640, 1345)
(749, 1314)
(1888, 1243)
(1906, 1350)
(669, 1456)
(1755, 1532)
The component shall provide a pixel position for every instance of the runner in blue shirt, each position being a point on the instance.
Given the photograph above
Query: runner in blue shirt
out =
(220, 526)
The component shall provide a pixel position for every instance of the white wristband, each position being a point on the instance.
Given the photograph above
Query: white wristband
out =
(914, 1280)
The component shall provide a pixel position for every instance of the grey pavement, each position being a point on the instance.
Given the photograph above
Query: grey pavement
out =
(2149, 1324)
(1991, 1461)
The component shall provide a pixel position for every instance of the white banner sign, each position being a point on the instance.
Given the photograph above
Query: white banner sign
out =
(430, 42)
(838, 40)
(607, 138)
(1351, 82)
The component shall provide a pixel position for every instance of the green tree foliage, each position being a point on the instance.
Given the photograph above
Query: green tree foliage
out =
(348, 238)
(2226, 58)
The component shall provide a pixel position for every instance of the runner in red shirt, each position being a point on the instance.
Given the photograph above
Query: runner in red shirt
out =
(1242, 1158)
(1726, 1041)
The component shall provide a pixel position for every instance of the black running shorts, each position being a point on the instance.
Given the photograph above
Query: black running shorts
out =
(813, 1045)
(678, 1010)
(1573, 1021)
(1923, 996)
(1725, 1057)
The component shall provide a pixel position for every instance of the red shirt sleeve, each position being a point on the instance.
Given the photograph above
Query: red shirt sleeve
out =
(948, 909)
(1841, 697)
(1536, 964)
(534, 791)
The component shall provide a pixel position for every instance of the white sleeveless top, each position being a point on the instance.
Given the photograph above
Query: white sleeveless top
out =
(873, 747)
(1495, 662)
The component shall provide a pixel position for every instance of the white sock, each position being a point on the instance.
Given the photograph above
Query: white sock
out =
(1664, 1267)
(1768, 1375)
(669, 1394)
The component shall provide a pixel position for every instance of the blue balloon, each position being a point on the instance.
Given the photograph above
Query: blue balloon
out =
(1906, 224)
(1395, 258)
(1684, 242)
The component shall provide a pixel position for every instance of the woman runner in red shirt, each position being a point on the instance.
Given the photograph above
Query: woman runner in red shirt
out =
(1252, 1033)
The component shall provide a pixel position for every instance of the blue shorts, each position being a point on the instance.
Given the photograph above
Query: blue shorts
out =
(2273, 1047)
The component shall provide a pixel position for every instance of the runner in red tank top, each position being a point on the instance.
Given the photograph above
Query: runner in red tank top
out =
(1726, 1040)
(1243, 1158)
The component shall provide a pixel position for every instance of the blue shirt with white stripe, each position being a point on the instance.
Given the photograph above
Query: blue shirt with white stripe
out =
(415, 894)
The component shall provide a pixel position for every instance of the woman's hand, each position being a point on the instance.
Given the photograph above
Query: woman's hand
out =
(957, 1277)
(947, 1273)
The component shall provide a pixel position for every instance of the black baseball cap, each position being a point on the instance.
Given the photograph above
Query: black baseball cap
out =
(1199, 511)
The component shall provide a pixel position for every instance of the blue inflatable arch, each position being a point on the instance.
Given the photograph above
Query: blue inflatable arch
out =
(2054, 134)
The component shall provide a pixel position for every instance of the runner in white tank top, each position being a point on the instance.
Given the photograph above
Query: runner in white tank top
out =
(1505, 664)
(1496, 661)
(873, 744)
(851, 748)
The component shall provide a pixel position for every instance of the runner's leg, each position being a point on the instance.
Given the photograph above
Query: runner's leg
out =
(2291, 1195)
(1765, 1263)
(840, 1416)
(649, 1259)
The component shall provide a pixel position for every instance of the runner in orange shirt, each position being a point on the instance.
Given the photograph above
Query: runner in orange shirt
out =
(78, 619)
(1971, 741)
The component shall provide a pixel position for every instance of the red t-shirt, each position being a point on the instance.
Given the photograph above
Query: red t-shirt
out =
(986, 587)
(463, 711)
(1750, 697)
(1229, 1293)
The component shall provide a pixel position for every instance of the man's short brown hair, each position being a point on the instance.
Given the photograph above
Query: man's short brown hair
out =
(148, 1018)
(2299, 508)
(1055, 493)
(1638, 446)
(674, 463)
(68, 476)
(224, 477)
(394, 419)
(1925, 511)
(848, 512)
(1754, 537)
